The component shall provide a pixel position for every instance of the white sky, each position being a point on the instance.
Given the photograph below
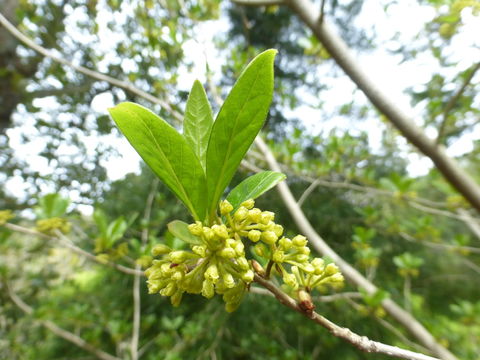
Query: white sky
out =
(391, 76)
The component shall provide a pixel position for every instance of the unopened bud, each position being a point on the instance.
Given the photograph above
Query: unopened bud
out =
(269, 237)
(212, 273)
(248, 276)
(220, 230)
(248, 204)
(305, 301)
(254, 235)
(255, 215)
(266, 217)
(241, 214)
(228, 280)
(299, 241)
(225, 207)
(285, 243)
(331, 269)
(227, 253)
(278, 256)
(278, 230)
(242, 263)
(196, 229)
(160, 249)
(207, 289)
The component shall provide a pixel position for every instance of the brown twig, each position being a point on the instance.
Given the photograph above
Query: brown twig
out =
(361, 342)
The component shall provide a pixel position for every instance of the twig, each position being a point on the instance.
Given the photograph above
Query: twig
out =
(64, 334)
(453, 100)
(68, 243)
(307, 192)
(321, 298)
(136, 280)
(361, 342)
(350, 273)
(259, 2)
(434, 245)
(93, 74)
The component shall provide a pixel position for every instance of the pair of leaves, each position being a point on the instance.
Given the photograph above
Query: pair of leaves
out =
(199, 165)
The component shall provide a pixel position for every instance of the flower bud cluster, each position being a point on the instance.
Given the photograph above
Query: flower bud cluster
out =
(48, 226)
(217, 264)
(5, 215)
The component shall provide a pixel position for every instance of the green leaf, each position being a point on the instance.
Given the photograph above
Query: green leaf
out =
(237, 124)
(52, 205)
(180, 230)
(198, 121)
(254, 186)
(115, 231)
(101, 221)
(166, 152)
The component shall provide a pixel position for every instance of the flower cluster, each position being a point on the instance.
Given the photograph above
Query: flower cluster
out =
(49, 226)
(5, 215)
(217, 264)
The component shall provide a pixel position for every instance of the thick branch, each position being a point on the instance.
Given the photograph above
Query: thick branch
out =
(343, 56)
(64, 334)
(361, 342)
(350, 273)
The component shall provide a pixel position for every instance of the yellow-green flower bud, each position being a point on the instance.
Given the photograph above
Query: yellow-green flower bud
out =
(168, 290)
(176, 298)
(248, 204)
(227, 253)
(269, 237)
(301, 258)
(304, 250)
(299, 241)
(212, 273)
(239, 248)
(221, 231)
(319, 265)
(243, 263)
(278, 230)
(266, 217)
(278, 256)
(285, 243)
(5, 215)
(225, 207)
(241, 214)
(255, 215)
(208, 233)
(336, 278)
(196, 229)
(331, 269)
(290, 280)
(177, 275)
(160, 249)
(228, 280)
(179, 256)
(248, 276)
(308, 268)
(207, 289)
(200, 250)
(230, 243)
(254, 235)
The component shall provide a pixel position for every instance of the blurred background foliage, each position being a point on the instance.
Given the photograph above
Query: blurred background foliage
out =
(405, 232)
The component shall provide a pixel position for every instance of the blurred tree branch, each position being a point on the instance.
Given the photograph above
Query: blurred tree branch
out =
(64, 334)
(342, 55)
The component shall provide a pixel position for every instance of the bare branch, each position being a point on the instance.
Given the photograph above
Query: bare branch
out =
(259, 2)
(93, 74)
(64, 334)
(361, 342)
(453, 100)
(343, 56)
(136, 280)
(350, 273)
(69, 244)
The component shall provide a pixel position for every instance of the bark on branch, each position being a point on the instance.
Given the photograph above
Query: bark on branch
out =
(361, 342)
(343, 56)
